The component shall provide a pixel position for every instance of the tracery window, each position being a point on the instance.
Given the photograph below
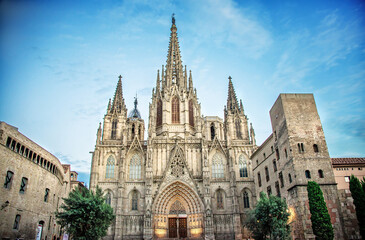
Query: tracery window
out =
(175, 110)
(243, 167)
(114, 129)
(191, 113)
(220, 204)
(217, 166)
(246, 200)
(110, 163)
(238, 129)
(177, 208)
(177, 164)
(134, 200)
(135, 167)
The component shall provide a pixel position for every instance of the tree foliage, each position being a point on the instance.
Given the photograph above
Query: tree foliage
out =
(358, 195)
(85, 215)
(363, 184)
(269, 220)
(321, 220)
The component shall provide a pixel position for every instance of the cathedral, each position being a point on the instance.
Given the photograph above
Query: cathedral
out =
(194, 176)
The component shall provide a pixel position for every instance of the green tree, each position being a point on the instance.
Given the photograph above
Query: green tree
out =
(269, 219)
(321, 220)
(358, 195)
(85, 215)
(363, 184)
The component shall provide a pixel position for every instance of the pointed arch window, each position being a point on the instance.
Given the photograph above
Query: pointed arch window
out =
(212, 131)
(134, 200)
(135, 167)
(114, 129)
(220, 204)
(110, 163)
(243, 167)
(246, 200)
(108, 198)
(159, 113)
(175, 110)
(191, 113)
(217, 166)
(238, 129)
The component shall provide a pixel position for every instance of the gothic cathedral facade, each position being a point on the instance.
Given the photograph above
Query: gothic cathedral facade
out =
(191, 178)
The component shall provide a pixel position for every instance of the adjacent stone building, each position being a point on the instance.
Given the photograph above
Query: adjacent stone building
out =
(343, 168)
(198, 177)
(33, 185)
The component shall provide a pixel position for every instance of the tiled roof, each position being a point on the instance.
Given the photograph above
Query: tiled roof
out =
(347, 161)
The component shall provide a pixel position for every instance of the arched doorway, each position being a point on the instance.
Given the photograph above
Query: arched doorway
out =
(178, 212)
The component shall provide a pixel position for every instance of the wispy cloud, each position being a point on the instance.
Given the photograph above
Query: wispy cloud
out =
(319, 48)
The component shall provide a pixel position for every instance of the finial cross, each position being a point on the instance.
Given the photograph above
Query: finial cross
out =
(173, 18)
(230, 78)
(120, 77)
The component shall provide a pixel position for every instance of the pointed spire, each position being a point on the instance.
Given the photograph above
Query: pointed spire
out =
(98, 134)
(174, 68)
(109, 106)
(118, 101)
(190, 81)
(252, 135)
(163, 78)
(158, 81)
(232, 103)
(241, 107)
(185, 79)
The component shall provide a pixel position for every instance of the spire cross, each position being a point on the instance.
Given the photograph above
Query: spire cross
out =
(229, 78)
(135, 102)
(173, 18)
(120, 77)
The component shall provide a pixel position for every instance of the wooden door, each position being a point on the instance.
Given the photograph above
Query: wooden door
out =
(172, 228)
(183, 227)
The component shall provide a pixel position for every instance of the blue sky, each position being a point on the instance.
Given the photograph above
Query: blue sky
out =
(60, 61)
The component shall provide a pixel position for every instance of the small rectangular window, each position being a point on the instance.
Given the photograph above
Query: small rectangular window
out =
(281, 179)
(23, 185)
(277, 153)
(267, 174)
(269, 190)
(259, 179)
(16, 222)
(300, 147)
(46, 195)
(347, 179)
(8, 179)
(277, 189)
(8, 142)
(274, 164)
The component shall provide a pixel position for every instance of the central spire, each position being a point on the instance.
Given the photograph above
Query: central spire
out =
(174, 67)
(232, 103)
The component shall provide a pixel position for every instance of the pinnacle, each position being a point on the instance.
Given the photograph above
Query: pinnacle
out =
(232, 103)
(118, 101)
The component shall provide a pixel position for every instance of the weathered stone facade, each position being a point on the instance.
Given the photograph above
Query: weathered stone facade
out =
(34, 183)
(294, 154)
(190, 177)
(198, 177)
